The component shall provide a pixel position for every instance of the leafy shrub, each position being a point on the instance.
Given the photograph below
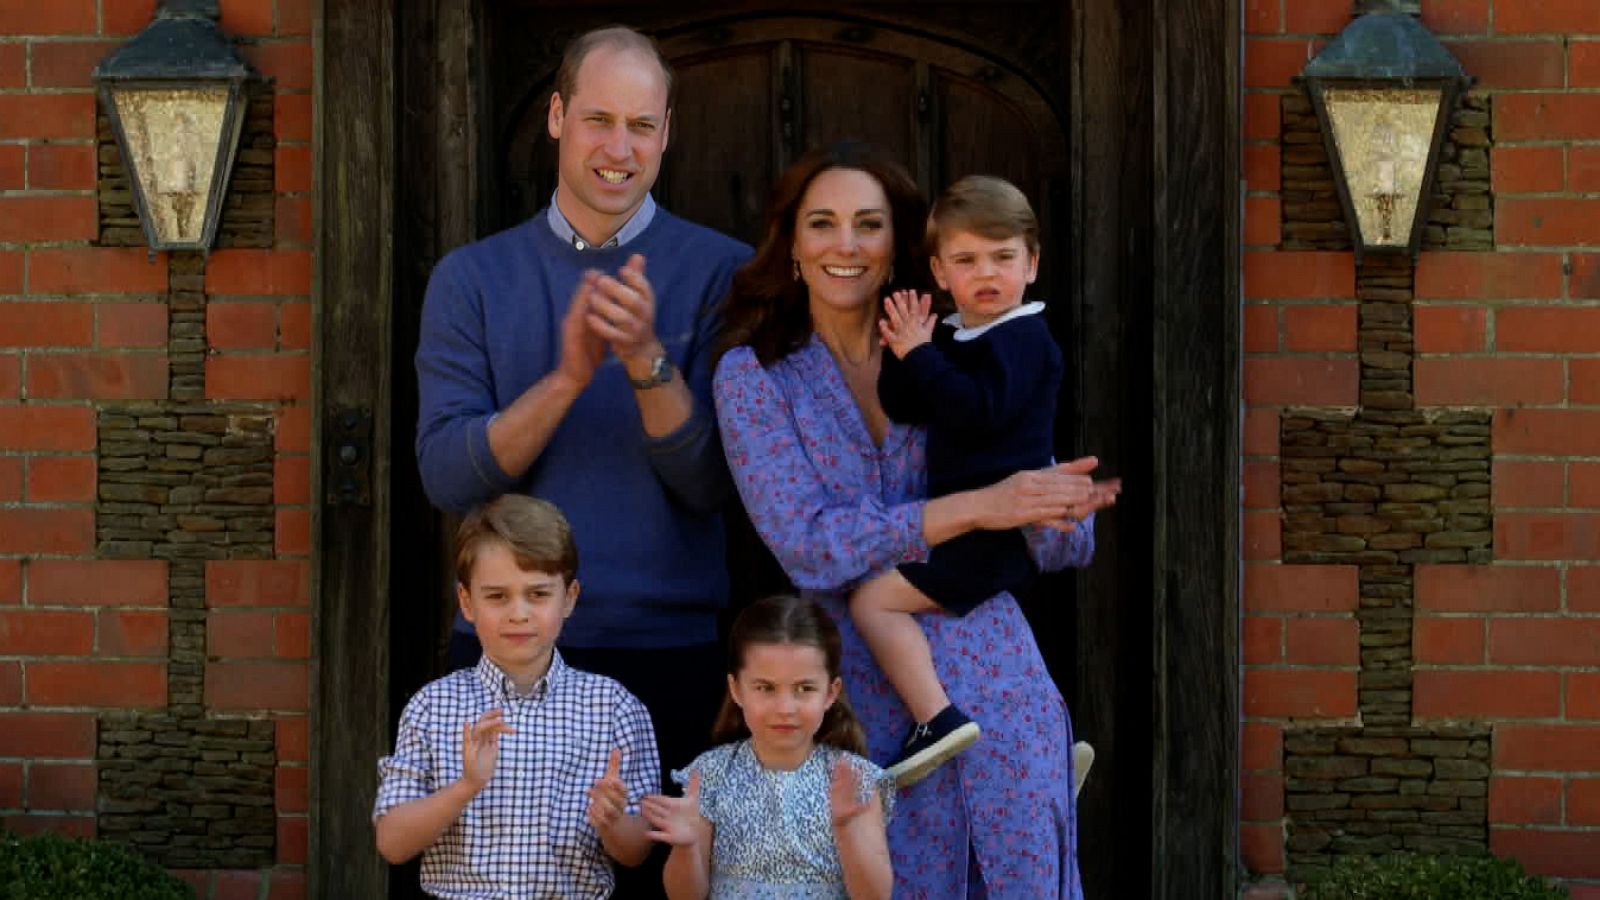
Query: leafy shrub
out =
(52, 867)
(1410, 877)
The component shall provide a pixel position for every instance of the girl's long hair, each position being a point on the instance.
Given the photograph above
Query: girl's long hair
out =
(787, 619)
(767, 306)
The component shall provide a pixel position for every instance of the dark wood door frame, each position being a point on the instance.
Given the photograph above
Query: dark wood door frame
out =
(1155, 95)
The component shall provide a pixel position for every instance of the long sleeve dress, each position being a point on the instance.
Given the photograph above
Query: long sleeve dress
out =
(835, 509)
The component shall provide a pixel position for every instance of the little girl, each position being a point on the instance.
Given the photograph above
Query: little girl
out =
(786, 807)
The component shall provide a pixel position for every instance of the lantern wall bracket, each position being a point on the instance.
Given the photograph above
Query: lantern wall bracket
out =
(1384, 90)
(175, 96)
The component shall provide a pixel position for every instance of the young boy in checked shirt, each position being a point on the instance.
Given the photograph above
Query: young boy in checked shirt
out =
(521, 776)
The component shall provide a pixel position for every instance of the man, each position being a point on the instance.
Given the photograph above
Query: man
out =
(569, 358)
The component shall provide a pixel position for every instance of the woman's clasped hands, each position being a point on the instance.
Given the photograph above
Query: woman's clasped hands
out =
(1059, 496)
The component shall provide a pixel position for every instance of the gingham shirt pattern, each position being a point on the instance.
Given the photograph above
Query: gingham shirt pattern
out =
(525, 835)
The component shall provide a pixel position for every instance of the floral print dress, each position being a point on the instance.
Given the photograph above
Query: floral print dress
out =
(773, 837)
(835, 508)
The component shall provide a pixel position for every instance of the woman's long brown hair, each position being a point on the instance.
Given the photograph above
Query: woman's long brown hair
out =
(787, 619)
(767, 306)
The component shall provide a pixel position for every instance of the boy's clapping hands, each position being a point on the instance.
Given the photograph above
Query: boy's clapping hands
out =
(622, 835)
(480, 747)
(608, 797)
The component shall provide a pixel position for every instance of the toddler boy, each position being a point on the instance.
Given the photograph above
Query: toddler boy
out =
(986, 388)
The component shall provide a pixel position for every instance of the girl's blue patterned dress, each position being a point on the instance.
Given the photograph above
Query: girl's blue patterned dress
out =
(773, 836)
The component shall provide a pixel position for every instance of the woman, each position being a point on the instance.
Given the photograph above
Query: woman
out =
(837, 491)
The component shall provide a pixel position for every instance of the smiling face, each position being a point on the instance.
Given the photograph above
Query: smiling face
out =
(987, 277)
(518, 614)
(844, 239)
(783, 691)
(612, 132)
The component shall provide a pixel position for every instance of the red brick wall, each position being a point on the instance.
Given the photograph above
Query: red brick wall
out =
(1517, 643)
(82, 324)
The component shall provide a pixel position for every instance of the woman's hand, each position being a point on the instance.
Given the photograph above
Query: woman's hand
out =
(1057, 496)
(675, 820)
(907, 322)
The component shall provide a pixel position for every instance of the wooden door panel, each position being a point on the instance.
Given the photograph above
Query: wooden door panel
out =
(720, 161)
(1139, 221)
(850, 94)
(984, 134)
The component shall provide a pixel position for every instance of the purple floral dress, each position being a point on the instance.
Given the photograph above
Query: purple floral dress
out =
(836, 509)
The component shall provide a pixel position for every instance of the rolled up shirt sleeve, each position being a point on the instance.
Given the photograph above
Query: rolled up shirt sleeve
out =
(409, 773)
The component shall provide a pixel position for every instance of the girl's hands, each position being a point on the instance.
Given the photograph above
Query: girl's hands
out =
(480, 747)
(675, 820)
(907, 322)
(608, 797)
(844, 795)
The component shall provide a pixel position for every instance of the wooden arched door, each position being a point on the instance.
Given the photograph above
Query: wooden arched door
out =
(755, 93)
(430, 125)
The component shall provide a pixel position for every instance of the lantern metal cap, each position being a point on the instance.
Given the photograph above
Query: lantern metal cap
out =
(181, 42)
(1384, 46)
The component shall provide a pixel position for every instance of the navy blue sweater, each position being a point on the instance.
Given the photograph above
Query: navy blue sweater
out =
(644, 511)
(989, 402)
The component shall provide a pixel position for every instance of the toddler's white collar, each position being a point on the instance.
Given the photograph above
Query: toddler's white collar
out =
(967, 334)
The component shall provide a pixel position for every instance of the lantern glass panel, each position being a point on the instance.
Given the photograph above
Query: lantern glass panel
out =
(1383, 137)
(171, 138)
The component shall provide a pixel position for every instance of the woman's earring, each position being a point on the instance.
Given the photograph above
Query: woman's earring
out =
(890, 280)
(796, 263)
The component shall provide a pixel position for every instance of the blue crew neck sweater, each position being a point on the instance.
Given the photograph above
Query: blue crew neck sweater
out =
(644, 511)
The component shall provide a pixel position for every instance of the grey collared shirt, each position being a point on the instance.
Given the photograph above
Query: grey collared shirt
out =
(629, 230)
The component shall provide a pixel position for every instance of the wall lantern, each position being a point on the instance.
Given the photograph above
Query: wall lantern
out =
(1383, 91)
(175, 94)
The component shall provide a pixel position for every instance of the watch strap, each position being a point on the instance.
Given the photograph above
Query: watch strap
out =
(661, 371)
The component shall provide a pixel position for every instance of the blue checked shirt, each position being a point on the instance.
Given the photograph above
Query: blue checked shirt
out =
(526, 834)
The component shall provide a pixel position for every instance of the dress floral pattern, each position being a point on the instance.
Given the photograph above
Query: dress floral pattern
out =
(836, 509)
(773, 837)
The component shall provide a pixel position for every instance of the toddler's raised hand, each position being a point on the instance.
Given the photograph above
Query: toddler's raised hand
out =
(480, 747)
(675, 820)
(608, 797)
(844, 795)
(907, 322)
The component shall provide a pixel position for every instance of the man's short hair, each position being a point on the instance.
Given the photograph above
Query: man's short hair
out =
(615, 37)
(986, 206)
(535, 530)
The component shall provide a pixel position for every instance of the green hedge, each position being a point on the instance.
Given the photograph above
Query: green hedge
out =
(1412, 877)
(51, 867)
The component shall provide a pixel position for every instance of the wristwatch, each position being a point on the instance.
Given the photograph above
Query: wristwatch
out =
(660, 373)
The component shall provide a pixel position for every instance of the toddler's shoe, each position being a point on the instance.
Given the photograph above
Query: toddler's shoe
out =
(929, 744)
(1082, 759)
